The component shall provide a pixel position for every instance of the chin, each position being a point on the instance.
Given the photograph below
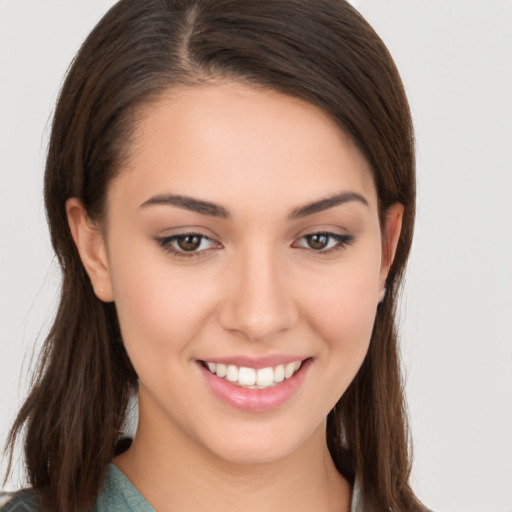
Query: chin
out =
(253, 454)
(264, 445)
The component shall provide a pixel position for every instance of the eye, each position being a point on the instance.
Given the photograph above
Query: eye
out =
(324, 241)
(187, 244)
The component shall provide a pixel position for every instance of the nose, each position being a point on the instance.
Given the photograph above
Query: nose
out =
(258, 303)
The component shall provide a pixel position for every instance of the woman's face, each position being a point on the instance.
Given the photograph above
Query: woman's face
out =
(242, 237)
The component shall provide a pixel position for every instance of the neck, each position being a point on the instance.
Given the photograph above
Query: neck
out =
(174, 473)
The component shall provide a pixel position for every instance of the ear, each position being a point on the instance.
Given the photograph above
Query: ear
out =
(90, 244)
(390, 236)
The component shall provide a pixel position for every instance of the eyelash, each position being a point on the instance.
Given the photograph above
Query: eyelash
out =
(166, 243)
(342, 242)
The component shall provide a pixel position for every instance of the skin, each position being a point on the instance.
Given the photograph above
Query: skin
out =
(257, 288)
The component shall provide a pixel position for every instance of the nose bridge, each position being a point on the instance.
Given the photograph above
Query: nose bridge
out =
(260, 304)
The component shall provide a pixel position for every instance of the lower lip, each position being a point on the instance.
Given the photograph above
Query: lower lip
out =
(255, 400)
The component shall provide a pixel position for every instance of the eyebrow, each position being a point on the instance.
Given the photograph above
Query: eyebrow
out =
(215, 210)
(325, 204)
(188, 203)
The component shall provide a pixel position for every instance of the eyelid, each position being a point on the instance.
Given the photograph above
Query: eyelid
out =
(342, 241)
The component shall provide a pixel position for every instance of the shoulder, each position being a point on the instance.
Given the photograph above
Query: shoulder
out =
(20, 501)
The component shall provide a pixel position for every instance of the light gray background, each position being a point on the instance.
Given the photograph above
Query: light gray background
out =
(455, 57)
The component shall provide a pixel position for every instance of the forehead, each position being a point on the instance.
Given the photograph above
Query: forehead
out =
(241, 146)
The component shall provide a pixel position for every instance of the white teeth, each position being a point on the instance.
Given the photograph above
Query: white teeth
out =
(254, 379)
(279, 373)
(246, 376)
(232, 373)
(265, 377)
(289, 369)
(221, 370)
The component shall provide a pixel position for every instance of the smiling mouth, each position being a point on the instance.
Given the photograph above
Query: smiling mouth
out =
(251, 378)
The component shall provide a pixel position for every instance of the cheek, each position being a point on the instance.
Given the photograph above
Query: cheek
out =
(345, 323)
(158, 306)
(342, 307)
(340, 312)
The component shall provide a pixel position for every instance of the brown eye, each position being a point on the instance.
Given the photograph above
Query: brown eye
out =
(189, 242)
(317, 241)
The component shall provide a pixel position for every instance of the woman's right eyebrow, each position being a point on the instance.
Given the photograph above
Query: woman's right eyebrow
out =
(188, 203)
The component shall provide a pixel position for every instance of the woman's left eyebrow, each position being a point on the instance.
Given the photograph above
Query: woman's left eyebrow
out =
(328, 202)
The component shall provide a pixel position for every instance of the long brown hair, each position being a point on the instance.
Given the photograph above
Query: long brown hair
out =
(320, 51)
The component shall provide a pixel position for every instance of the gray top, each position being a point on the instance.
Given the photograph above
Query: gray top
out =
(117, 495)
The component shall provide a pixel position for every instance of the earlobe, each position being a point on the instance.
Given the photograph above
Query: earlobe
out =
(391, 234)
(90, 244)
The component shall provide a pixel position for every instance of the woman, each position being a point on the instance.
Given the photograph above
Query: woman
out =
(230, 192)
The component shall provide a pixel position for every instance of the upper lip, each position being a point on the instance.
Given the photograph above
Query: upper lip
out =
(256, 362)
